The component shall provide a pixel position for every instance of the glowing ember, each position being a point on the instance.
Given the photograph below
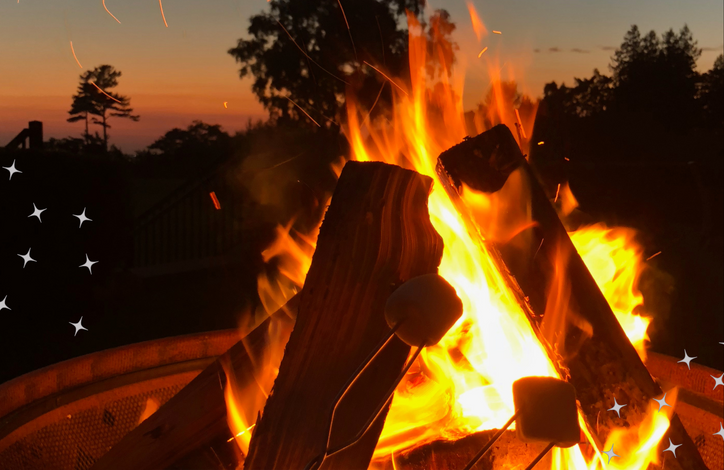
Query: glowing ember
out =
(305, 113)
(105, 8)
(99, 89)
(160, 5)
(482, 52)
(215, 200)
(74, 56)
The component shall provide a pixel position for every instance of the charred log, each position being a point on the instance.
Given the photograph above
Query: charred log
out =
(376, 235)
(601, 366)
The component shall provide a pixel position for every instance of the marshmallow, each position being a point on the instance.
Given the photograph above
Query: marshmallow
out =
(547, 411)
(427, 307)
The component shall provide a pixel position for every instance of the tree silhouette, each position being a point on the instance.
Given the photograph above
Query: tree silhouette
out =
(301, 54)
(711, 94)
(95, 101)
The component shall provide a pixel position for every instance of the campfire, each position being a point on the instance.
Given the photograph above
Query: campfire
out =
(421, 197)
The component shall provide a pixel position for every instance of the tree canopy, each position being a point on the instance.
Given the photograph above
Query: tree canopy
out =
(305, 60)
(95, 102)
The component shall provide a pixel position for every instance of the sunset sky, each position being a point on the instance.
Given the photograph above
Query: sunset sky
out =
(177, 74)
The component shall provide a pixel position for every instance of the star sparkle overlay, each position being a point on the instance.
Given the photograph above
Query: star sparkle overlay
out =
(672, 448)
(662, 402)
(687, 360)
(616, 407)
(611, 454)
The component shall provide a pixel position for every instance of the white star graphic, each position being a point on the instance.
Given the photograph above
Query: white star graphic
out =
(616, 407)
(78, 326)
(82, 218)
(3, 305)
(662, 403)
(12, 170)
(672, 448)
(26, 258)
(721, 431)
(687, 359)
(37, 212)
(718, 381)
(610, 453)
(88, 263)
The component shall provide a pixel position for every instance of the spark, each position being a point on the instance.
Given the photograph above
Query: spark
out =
(307, 55)
(567, 159)
(520, 124)
(215, 200)
(104, 6)
(242, 432)
(76, 58)
(653, 256)
(557, 192)
(388, 78)
(99, 89)
(375, 103)
(302, 110)
(225, 104)
(482, 52)
(348, 30)
(162, 15)
(541, 143)
(497, 32)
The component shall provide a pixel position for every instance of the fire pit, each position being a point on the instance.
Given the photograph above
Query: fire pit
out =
(67, 416)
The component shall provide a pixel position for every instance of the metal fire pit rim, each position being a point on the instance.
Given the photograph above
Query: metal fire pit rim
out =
(153, 356)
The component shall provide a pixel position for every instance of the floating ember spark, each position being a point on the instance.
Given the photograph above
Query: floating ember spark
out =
(307, 55)
(241, 433)
(567, 159)
(478, 25)
(558, 191)
(348, 30)
(215, 200)
(483, 51)
(162, 15)
(104, 6)
(74, 56)
(520, 124)
(497, 32)
(388, 78)
(109, 96)
(305, 113)
(541, 143)
(653, 256)
(225, 106)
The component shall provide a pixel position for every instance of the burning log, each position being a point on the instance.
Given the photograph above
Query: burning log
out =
(376, 235)
(601, 362)
(197, 415)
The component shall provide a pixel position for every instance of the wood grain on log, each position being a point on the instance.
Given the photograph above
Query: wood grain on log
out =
(601, 366)
(376, 235)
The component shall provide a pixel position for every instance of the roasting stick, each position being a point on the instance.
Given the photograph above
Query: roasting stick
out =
(419, 312)
(546, 411)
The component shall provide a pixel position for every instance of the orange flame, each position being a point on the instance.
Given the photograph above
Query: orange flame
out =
(463, 384)
(478, 26)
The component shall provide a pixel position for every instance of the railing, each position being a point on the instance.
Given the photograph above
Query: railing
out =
(33, 135)
(199, 220)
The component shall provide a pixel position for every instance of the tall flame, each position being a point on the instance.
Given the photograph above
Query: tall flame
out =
(463, 384)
